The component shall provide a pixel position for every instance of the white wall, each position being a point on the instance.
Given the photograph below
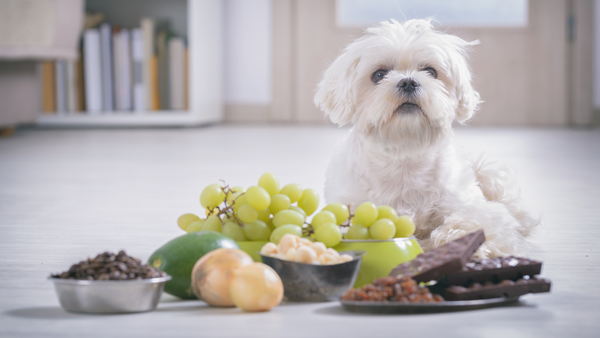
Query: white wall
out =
(248, 56)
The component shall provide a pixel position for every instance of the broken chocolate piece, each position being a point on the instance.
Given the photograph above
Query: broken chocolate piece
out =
(442, 260)
(495, 270)
(506, 288)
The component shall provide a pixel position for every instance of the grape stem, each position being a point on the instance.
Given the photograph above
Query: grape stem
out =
(227, 209)
(308, 229)
(348, 222)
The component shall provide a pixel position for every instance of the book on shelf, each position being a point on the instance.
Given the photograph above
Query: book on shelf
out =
(48, 87)
(80, 83)
(186, 79)
(92, 71)
(60, 71)
(71, 85)
(106, 59)
(138, 63)
(147, 27)
(120, 69)
(163, 82)
(176, 73)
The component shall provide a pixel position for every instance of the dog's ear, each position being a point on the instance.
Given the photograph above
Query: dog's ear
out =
(335, 93)
(468, 98)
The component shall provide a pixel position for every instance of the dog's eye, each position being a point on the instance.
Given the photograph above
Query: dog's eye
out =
(431, 72)
(379, 75)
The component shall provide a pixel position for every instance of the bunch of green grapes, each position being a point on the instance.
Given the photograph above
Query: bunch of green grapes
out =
(378, 222)
(266, 212)
(368, 222)
(263, 212)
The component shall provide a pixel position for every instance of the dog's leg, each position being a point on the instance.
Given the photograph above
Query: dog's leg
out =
(502, 229)
(498, 184)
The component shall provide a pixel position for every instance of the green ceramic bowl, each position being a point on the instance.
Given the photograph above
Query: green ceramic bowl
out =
(382, 256)
(252, 249)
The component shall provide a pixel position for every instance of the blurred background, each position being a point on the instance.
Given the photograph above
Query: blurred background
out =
(195, 62)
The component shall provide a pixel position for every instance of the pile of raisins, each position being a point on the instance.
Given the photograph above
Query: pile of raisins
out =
(110, 266)
(398, 289)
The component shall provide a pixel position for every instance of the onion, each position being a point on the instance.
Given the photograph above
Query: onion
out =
(210, 276)
(255, 287)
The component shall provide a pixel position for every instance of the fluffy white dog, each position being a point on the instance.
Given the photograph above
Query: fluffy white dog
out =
(402, 86)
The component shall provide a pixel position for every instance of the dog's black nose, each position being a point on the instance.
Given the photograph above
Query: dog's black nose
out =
(408, 85)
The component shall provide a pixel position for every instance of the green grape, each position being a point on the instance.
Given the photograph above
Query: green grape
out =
(258, 197)
(382, 229)
(309, 201)
(195, 226)
(340, 211)
(293, 191)
(285, 229)
(237, 189)
(383, 211)
(279, 202)
(246, 213)
(228, 217)
(270, 183)
(287, 216)
(257, 231)
(232, 197)
(322, 218)
(299, 210)
(357, 231)
(405, 227)
(366, 214)
(264, 215)
(234, 231)
(329, 234)
(184, 220)
(270, 224)
(239, 201)
(213, 223)
(212, 196)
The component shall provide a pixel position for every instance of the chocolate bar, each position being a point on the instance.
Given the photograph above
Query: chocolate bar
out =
(494, 270)
(442, 260)
(506, 288)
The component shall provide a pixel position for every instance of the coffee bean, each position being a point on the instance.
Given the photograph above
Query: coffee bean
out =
(110, 266)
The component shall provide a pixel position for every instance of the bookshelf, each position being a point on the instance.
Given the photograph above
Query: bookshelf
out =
(205, 104)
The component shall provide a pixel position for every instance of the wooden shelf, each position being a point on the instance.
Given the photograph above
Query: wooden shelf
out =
(126, 119)
(205, 36)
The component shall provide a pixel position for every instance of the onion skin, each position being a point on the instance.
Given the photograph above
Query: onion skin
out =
(255, 287)
(211, 274)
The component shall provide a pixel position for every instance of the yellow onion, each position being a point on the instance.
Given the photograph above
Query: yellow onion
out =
(210, 276)
(255, 287)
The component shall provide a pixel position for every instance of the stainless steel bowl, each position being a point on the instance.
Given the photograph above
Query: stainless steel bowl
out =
(316, 283)
(109, 296)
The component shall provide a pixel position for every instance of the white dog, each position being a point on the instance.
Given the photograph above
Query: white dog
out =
(402, 86)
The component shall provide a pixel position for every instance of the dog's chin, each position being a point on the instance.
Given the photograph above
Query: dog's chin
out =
(408, 108)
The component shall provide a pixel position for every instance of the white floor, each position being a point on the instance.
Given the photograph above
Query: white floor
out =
(69, 194)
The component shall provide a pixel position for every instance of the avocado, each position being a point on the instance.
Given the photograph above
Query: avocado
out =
(177, 258)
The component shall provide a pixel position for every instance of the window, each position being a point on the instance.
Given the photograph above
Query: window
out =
(465, 13)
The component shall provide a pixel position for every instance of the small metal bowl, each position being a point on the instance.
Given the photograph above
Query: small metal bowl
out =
(109, 296)
(316, 283)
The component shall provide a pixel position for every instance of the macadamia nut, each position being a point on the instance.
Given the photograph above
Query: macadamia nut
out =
(303, 250)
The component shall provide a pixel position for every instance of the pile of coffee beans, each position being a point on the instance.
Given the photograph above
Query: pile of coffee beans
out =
(110, 266)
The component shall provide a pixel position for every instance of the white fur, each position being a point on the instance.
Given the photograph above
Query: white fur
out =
(406, 160)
